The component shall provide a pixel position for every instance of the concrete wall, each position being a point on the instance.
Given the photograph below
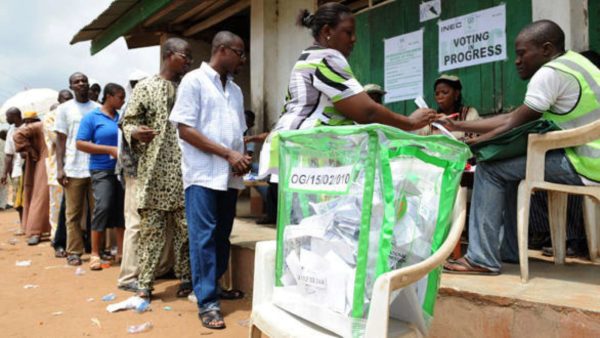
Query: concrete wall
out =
(570, 15)
(275, 43)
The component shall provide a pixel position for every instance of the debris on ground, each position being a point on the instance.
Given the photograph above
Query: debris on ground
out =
(96, 322)
(109, 297)
(244, 322)
(139, 328)
(57, 266)
(132, 303)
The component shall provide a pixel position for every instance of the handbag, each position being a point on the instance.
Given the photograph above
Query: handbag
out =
(512, 143)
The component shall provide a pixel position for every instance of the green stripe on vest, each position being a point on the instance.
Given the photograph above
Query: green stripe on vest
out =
(586, 158)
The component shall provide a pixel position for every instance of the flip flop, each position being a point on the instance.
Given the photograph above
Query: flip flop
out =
(74, 260)
(212, 316)
(131, 287)
(33, 240)
(463, 267)
(95, 263)
(60, 253)
(184, 290)
(106, 256)
(144, 293)
(231, 294)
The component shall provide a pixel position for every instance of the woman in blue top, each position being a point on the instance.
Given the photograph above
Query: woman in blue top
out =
(98, 136)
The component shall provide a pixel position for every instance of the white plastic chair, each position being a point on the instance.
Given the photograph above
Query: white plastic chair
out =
(275, 322)
(537, 147)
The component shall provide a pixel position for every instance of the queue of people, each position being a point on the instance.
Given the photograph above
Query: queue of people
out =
(125, 168)
(163, 167)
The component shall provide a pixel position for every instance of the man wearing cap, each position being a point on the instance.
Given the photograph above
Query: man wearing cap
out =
(375, 92)
(29, 140)
(563, 88)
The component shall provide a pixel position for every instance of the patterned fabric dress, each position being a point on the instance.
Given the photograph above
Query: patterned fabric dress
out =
(159, 182)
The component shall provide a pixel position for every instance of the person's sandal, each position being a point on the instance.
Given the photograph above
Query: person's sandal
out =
(106, 255)
(212, 316)
(144, 294)
(95, 263)
(33, 240)
(231, 294)
(60, 253)
(464, 267)
(184, 290)
(74, 260)
(130, 287)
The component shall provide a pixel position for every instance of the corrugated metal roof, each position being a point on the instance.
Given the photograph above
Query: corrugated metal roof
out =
(116, 9)
(142, 21)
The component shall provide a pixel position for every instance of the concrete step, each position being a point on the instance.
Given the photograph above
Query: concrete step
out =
(558, 301)
(243, 239)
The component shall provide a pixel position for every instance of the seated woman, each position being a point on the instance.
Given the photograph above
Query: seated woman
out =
(448, 97)
(322, 88)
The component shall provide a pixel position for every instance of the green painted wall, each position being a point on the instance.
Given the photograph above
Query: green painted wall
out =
(490, 88)
(594, 24)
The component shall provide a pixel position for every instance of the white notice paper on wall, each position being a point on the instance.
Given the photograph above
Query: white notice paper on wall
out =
(472, 39)
(403, 67)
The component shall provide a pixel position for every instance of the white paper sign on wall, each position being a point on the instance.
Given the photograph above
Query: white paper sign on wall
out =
(472, 39)
(403, 66)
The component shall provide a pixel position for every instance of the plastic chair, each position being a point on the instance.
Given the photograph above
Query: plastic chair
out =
(537, 147)
(275, 322)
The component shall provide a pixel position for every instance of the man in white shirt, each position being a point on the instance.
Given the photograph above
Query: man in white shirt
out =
(13, 162)
(564, 88)
(209, 114)
(73, 165)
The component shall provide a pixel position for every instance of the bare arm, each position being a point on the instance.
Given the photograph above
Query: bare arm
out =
(478, 126)
(61, 146)
(239, 162)
(502, 123)
(92, 148)
(362, 109)
(8, 164)
(260, 138)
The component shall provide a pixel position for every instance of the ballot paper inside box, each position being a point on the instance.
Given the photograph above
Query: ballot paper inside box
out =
(356, 202)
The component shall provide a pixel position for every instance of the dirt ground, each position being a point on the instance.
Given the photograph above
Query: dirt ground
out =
(63, 304)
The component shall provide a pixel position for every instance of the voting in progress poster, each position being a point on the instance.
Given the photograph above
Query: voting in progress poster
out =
(472, 39)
